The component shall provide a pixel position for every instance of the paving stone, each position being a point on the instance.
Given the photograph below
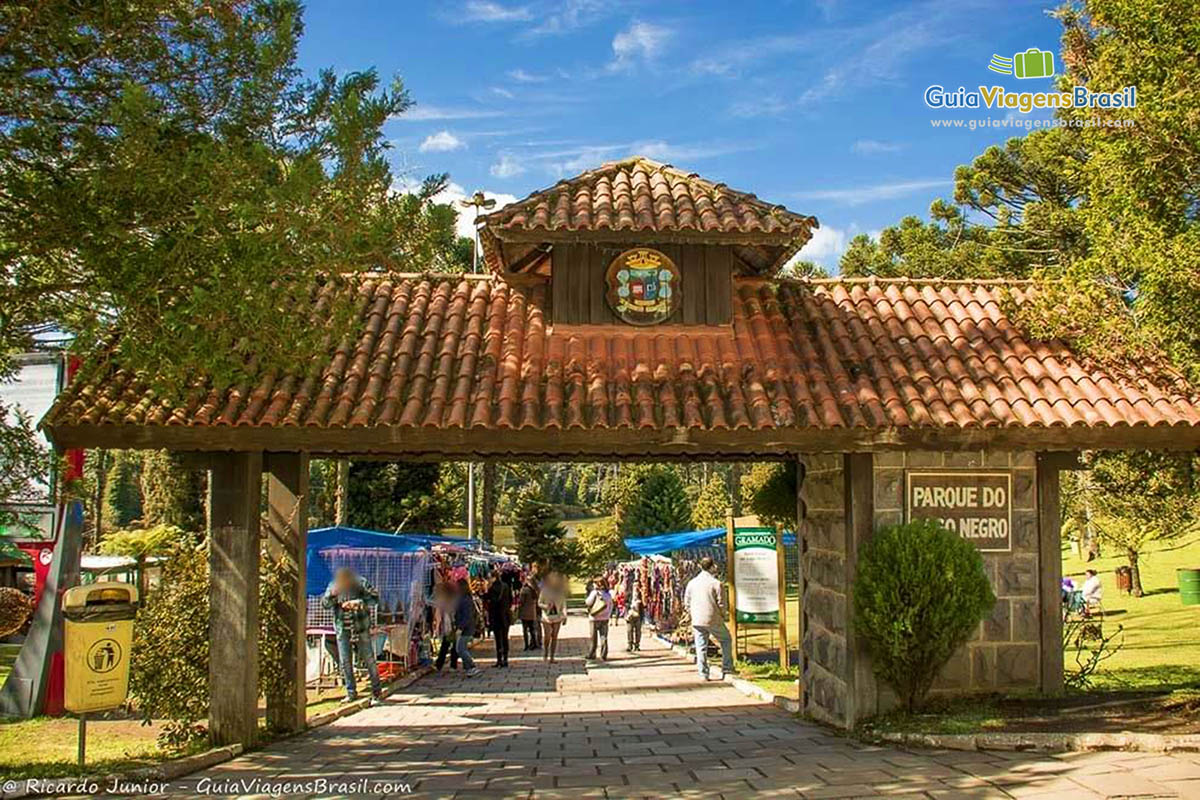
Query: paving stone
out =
(575, 731)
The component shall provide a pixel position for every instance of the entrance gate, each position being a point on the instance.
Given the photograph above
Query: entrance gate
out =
(635, 312)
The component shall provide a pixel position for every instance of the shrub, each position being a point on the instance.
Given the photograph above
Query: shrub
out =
(169, 671)
(919, 594)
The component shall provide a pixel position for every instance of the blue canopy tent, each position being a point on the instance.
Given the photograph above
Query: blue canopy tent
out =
(318, 574)
(670, 542)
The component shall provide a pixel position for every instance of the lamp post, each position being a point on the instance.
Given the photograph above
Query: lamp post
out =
(480, 203)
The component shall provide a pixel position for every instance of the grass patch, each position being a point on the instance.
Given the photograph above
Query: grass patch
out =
(769, 676)
(45, 747)
(942, 716)
(1162, 636)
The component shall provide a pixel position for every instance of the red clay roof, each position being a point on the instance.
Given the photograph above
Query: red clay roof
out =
(476, 357)
(641, 196)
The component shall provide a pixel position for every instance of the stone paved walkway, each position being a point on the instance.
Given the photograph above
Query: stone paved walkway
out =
(643, 725)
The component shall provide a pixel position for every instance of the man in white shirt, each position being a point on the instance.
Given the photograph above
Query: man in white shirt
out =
(1091, 588)
(706, 605)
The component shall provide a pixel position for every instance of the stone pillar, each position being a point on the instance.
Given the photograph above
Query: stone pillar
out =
(821, 511)
(287, 520)
(234, 499)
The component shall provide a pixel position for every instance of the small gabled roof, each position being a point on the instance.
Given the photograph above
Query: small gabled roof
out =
(641, 200)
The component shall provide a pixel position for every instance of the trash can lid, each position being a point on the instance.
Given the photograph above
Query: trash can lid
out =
(105, 593)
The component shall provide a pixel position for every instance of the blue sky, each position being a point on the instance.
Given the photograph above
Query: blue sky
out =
(817, 105)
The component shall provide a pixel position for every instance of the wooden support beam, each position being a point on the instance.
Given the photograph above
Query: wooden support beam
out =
(1050, 572)
(862, 699)
(234, 500)
(287, 520)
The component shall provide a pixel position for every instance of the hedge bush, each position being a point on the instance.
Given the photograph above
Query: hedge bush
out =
(920, 593)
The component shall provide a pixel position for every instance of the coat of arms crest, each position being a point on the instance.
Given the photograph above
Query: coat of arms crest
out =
(643, 286)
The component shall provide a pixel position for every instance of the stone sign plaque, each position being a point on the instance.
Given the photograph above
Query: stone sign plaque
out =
(977, 505)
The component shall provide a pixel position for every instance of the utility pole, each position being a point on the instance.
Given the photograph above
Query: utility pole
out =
(478, 202)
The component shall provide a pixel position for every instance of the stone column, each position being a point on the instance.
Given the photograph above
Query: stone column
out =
(234, 499)
(862, 698)
(287, 519)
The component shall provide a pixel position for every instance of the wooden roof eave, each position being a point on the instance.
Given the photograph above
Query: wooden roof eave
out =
(682, 443)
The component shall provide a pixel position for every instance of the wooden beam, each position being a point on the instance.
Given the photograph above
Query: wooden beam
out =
(1049, 573)
(234, 498)
(858, 469)
(287, 521)
(597, 443)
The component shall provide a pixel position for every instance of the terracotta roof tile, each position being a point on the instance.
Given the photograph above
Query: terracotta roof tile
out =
(638, 195)
(457, 353)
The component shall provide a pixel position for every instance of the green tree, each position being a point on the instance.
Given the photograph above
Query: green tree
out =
(542, 539)
(651, 499)
(397, 496)
(174, 188)
(599, 545)
(123, 489)
(172, 494)
(769, 492)
(23, 461)
(712, 505)
(1130, 500)
(142, 544)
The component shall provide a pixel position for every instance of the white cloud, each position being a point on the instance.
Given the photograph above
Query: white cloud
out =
(507, 167)
(871, 147)
(486, 11)
(764, 106)
(825, 247)
(574, 14)
(500, 91)
(640, 42)
(420, 113)
(869, 194)
(521, 76)
(441, 142)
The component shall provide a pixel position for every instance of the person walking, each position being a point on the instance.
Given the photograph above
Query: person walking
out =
(445, 600)
(635, 608)
(553, 603)
(527, 610)
(351, 599)
(706, 605)
(599, 606)
(465, 618)
(499, 602)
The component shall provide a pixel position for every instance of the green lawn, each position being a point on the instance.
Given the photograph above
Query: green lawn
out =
(1162, 636)
(46, 747)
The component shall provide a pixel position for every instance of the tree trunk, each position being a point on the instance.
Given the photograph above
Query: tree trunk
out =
(489, 502)
(1135, 577)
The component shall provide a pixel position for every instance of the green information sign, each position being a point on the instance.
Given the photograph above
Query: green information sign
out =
(756, 575)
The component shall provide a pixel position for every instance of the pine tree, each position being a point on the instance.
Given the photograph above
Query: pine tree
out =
(172, 494)
(656, 502)
(123, 490)
(712, 506)
(542, 539)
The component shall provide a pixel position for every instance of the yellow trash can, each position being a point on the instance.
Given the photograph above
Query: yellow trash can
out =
(98, 633)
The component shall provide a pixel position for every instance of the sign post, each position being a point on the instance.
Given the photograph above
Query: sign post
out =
(730, 568)
(781, 559)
